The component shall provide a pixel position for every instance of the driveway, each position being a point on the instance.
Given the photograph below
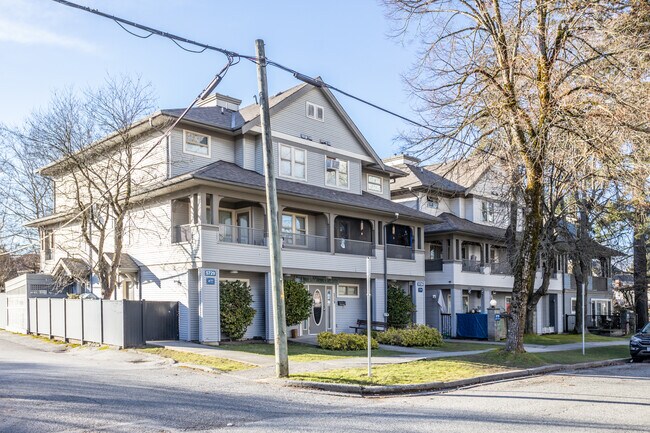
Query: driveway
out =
(43, 388)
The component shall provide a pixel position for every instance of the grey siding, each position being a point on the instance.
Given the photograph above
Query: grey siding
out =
(249, 147)
(193, 303)
(239, 151)
(354, 309)
(257, 329)
(222, 149)
(385, 181)
(293, 120)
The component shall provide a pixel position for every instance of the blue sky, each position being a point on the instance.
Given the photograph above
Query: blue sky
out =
(45, 46)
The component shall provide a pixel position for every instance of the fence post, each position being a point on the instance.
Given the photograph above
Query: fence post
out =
(35, 312)
(101, 321)
(82, 321)
(49, 306)
(143, 341)
(65, 320)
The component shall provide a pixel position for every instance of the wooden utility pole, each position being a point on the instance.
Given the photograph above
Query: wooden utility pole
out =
(275, 250)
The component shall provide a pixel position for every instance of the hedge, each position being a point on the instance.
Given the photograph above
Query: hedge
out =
(329, 341)
(417, 335)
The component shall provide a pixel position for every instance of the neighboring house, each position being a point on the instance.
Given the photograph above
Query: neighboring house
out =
(200, 216)
(466, 263)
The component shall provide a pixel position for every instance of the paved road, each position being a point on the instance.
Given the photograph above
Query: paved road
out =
(84, 390)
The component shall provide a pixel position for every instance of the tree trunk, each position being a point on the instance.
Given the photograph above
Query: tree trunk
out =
(640, 271)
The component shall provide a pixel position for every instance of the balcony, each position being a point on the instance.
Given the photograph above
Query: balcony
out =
(241, 235)
(434, 265)
(357, 248)
(399, 252)
(182, 233)
(500, 268)
(303, 241)
(471, 266)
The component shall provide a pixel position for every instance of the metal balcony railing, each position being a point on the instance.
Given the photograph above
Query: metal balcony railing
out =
(241, 235)
(500, 268)
(182, 233)
(399, 252)
(471, 266)
(303, 241)
(433, 265)
(349, 246)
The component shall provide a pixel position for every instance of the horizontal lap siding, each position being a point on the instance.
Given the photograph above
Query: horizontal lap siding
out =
(258, 286)
(222, 149)
(354, 309)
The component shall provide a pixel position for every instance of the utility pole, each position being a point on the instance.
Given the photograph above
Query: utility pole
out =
(275, 250)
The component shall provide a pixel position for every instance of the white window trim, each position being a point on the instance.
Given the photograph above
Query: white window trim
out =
(338, 295)
(233, 215)
(489, 216)
(347, 188)
(316, 107)
(293, 162)
(189, 152)
(293, 227)
(381, 182)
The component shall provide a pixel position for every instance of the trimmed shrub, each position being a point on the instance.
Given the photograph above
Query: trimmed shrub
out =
(329, 341)
(400, 307)
(236, 311)
(414, 336)
(297, 302)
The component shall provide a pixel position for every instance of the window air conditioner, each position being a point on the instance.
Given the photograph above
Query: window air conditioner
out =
(333, 164)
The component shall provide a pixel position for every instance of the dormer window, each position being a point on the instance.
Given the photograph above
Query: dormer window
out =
(432, 202)
(375, 184)
(315, 112)
(336, 173)
(196, 144)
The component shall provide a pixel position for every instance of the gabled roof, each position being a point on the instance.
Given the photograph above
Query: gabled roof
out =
(421, 177)
(227, 172)
(127, 264)
(72, 268)
(451, 223)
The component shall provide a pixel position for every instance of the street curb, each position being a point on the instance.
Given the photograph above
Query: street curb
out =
(385, 390)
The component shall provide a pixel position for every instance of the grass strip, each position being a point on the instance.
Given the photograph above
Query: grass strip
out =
(221, 364)
(456, 368)
(305, 352)
(553, 339)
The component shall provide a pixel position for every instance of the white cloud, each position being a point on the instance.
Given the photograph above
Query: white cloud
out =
(23, 33)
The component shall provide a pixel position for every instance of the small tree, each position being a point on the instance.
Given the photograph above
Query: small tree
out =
(236, 311)
(400, 307)
(297, 302)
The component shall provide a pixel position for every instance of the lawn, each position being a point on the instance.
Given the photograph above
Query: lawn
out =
(305, 352)
(456, 368)
(461, 346)
(552, 339)
(221, 364)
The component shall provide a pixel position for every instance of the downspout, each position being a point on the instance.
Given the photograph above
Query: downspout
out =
(386, 264)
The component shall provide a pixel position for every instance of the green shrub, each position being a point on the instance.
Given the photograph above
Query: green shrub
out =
(414, 336)
(400, 307)
(236, 311)
(297, 302)
(330, 341)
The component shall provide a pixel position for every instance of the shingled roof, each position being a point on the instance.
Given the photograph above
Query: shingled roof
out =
(451, 223)
(231, 173)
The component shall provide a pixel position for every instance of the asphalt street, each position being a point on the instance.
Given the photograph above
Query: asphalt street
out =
(45, 388)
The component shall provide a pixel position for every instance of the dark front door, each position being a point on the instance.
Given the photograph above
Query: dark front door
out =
(552, 310)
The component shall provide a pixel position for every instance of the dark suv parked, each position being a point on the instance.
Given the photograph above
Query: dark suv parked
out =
(640, 344)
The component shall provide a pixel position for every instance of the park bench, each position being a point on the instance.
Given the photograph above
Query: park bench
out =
(362, 325)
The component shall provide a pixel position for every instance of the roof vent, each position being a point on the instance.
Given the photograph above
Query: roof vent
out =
(305, 137)
(325, 142)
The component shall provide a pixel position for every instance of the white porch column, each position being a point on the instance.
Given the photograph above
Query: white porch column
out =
(209, 312)
(539, 315)
(420, 303)
(378, 300)
(486, 295)
(455, 307)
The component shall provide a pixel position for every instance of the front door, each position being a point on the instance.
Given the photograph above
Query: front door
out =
(552, 310)
(320, 319)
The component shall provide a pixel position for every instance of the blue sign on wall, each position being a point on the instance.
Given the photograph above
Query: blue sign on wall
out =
(210, 273)
(210, 281)
(497, 317)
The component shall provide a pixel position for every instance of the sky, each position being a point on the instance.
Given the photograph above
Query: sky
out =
(45, 46)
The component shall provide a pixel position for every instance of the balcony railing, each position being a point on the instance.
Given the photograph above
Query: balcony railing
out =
(433, 265)
(299, 241)
(471, 266)
(241, 235)
(500, 268)
(599, 283)
(349, 246)
(182, 233)
(399, 252)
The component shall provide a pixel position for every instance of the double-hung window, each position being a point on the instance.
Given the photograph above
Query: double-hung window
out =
(315, 112)
(375, 184)
(292, 162)
(294, 229)
(196, 144)
(487, 211)
(336, 173)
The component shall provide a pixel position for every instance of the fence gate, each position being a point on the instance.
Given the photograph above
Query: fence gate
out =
(445, 326)
(160, 321)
